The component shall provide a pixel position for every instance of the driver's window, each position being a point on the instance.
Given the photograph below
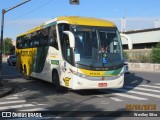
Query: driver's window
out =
(53, 37)
(66, 48)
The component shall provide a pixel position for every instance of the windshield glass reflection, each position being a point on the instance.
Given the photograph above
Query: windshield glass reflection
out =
(97, 46)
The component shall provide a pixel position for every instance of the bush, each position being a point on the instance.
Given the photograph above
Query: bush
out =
(144, 59)
(155, 56)
(125, 55)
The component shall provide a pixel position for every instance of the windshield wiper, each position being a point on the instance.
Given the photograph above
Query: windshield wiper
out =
(109, 60)
(93, 63)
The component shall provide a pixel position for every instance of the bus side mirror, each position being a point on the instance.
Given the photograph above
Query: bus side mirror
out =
(71, 38)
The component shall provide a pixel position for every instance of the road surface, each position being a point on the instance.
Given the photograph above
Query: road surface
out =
(140, 89)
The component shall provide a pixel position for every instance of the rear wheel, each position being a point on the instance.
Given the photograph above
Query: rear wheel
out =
(55, 80)
(24, 74)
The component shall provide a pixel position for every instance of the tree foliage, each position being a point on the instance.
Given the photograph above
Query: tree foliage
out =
(156, 54)
(8, 47)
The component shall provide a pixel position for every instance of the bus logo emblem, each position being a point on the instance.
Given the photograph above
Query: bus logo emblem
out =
(66, 81)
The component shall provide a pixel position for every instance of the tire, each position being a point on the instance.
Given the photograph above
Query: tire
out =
(55, 80)
(21, 69)
(24, 74)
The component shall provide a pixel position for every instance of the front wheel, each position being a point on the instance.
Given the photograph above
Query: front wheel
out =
(56, 81)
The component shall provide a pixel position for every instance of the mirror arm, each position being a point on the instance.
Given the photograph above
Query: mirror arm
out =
(71, 38)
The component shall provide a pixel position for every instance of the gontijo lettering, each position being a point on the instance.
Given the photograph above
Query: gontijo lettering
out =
(26, 53)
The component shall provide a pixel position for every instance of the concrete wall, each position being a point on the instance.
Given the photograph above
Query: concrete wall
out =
(145, 36)
(145, 67)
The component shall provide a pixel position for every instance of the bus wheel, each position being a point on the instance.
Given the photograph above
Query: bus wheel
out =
(55, 80)
(24, 74)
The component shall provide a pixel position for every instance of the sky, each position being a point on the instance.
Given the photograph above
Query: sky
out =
(139, 14)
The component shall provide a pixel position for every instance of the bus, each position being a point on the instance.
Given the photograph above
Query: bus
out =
(72, 52)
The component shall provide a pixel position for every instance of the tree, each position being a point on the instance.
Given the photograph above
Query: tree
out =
(156, 53)
(8, 47)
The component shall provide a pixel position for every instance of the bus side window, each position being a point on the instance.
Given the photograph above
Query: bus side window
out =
(36, 40)
(18, 43)
(36, 43)
(32, 39)
(40, 39)
(23, 42)
(43, 37)
(26, 44)
(53, 37)
(27, 41)
(30, 43)
(46, 36)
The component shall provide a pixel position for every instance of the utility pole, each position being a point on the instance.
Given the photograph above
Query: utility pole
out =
(123, 24)
(2, 27)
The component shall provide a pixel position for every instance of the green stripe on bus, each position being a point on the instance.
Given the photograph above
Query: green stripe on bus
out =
(39, 59)
(113, 72)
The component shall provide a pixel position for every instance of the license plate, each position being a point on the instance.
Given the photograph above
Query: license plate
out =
(102, 84)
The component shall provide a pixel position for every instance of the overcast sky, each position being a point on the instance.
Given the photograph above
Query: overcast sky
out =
(139, 14)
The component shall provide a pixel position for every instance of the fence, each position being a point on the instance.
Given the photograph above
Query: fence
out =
(138, 55)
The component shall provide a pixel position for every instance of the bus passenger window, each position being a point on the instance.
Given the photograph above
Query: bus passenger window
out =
(53, 37)
(36, 40)
(18, 43)
(40, 39)
(36, 43)
(30, 43)
(44, 37)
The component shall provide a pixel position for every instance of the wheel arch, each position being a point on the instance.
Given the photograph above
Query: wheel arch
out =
(54, 70)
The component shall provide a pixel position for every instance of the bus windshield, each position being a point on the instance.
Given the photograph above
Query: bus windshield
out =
(97, 46)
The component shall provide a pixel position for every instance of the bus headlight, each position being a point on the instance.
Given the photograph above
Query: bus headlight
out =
(77, 73)
(120, 74)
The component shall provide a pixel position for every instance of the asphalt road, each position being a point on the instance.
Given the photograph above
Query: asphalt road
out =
(140, 89)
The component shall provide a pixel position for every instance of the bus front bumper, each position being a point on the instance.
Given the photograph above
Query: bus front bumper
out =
(97, 82)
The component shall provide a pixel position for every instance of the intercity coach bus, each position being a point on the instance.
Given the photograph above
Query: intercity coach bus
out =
(72, 52)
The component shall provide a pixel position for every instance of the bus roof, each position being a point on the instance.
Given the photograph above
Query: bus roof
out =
(86, 21)
(76, 20)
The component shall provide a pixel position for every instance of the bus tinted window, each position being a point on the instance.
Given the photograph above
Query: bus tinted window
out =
(40, 38)
(53, 37)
